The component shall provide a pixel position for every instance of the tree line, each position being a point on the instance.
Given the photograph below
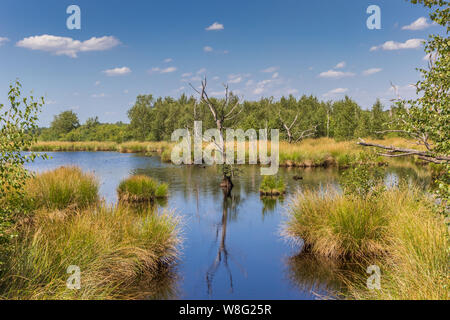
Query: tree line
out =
(153, 119)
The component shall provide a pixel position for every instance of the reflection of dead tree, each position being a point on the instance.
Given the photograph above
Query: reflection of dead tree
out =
(222, 253)
(288, 128)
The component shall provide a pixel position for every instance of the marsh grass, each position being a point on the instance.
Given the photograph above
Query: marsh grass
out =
(272, 186)
(397, 230)
(63, 188)
(321, 152)
(114, 247)
(140, 188)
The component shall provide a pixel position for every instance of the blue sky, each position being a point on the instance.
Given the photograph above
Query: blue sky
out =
(261, 48)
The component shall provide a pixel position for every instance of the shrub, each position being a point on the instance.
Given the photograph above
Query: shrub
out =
(65, 187)
(272, 186)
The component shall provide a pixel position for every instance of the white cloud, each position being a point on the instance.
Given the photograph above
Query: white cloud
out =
(430, 57)
(340, 65)
(215, 26)
(419, 24)
(393, 45)
(335, 74)
(371, 71)
(98, 95)
(187, 74)
(3, 40)
(117, 71)
(67, 46)
(125, 91)
(261, 86)
(165, 70)
(168, 60)
(270, 70)
(235, 80)
(208, 49)
(335, 92)
(97, 83)
(216, 78)
(201, 71)
(275, 75)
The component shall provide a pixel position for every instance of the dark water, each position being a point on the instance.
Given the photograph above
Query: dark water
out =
(232, 247)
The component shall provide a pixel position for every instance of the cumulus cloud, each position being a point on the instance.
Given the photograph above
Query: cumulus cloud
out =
(275, 75)
(215, 27)
(261, 86)
(208, 49)
(187, 74)
(3, 40)
(117, 71)
(201, 71)
(333, 74)
(270, 70)
(393, 45)
(419, 24)
(234, 79)
(164, 70)
(371, 71)
(67, 46)
(335, 92)
(168, 60)
(340, 65)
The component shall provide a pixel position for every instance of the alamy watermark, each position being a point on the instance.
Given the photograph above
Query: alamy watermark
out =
(74, 280)
(219, 151)
(374, 281)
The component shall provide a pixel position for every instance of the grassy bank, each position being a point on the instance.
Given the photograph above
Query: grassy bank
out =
(396, 230)
(116, 248)
(321, 152)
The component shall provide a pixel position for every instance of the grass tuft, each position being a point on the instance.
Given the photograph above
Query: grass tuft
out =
(140, 188)
(65, 187)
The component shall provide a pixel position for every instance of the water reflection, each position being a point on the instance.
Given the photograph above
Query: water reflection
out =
(232, 247)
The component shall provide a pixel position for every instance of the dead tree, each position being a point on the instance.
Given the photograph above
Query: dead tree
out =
(393, 152)
(223, 112)
(288, 128)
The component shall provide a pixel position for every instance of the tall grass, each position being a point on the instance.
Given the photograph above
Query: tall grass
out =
(65, 187)
(272, 186)
(397, 230)
(115, 249)
(140, 188)
(321, 152)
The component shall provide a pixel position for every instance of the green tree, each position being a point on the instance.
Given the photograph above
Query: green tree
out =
(377, 121)
(140, 116)
(64, 122)
(345, 119)
(17, 133)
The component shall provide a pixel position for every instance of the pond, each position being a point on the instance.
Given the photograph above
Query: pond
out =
(232, 247)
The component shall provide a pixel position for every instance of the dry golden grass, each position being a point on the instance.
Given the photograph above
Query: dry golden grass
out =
(398, 231)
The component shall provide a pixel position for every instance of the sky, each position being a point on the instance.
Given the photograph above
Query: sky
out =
(260, 48)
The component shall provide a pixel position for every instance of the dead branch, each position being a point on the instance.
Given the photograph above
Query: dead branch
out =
(404, 152)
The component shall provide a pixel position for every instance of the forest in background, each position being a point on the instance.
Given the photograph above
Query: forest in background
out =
(153, 119)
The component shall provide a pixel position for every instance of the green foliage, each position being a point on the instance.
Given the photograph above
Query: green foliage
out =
(271, 185)
(64, 123)
(66, 187)
(17, 133)
(140, 188)
(362, 180)
(427, 118)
